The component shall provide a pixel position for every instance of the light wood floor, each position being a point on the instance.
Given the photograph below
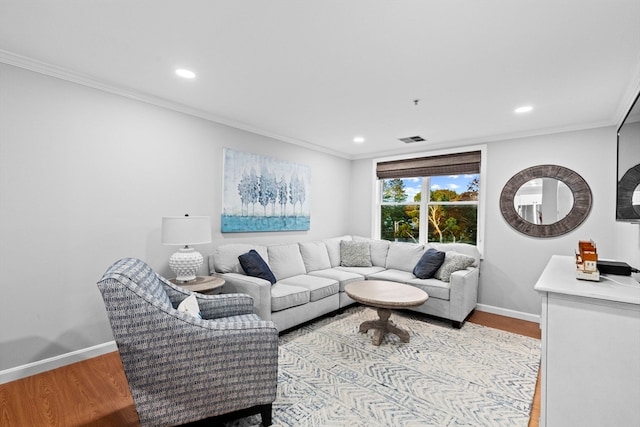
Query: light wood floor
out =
(95, 393)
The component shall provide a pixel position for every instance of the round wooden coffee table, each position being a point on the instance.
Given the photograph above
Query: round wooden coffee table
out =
(385, 296)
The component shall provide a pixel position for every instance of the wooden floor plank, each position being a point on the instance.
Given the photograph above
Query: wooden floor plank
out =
(88, 393)
(95, 393)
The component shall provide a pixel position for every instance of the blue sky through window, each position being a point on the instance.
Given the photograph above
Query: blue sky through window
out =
(457, 183)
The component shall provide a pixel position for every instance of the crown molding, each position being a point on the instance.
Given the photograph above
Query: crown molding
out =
(86, 80)
(51, 70)
(441, 145)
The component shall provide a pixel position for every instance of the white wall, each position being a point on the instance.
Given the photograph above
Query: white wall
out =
(512, 261)
(85, 177)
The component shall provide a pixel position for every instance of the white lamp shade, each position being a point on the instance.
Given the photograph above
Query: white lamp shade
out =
(186, 230)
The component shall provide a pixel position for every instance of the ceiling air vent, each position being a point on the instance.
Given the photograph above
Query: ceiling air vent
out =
(412, 139)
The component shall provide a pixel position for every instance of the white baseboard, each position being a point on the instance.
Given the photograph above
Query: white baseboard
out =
(509, 313)
(44, 365)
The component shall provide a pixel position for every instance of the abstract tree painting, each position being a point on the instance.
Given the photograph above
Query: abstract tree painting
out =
(264, 194)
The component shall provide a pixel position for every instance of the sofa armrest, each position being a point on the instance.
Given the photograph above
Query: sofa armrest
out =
(258, 289)
(464, 292)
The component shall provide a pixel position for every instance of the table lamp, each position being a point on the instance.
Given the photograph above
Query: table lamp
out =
(184, 231)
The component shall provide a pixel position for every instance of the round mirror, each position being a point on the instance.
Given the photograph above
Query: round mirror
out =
(545, 201)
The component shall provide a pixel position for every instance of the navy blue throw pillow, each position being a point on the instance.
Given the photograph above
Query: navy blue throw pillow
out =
(429, 263)
(253, 264)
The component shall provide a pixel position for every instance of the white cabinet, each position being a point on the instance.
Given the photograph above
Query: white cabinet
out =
(590, 349)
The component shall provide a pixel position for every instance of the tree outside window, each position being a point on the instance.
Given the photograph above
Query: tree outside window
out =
(451, 209)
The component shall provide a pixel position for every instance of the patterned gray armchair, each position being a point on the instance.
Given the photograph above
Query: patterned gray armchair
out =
(181, 368)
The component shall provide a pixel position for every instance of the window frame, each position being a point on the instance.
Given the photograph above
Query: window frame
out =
(481, 203)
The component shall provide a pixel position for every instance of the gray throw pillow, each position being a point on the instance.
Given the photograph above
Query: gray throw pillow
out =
(453, 261)
(355, 254)
(429, 263)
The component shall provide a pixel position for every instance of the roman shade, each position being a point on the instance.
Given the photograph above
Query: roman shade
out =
(446, 164)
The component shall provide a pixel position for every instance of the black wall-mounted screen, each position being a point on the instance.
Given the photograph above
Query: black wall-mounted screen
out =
(628, 177)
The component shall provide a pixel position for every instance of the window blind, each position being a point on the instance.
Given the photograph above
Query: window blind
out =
(446, 164)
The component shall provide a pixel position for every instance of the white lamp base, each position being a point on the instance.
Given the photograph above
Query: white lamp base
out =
(185, 264)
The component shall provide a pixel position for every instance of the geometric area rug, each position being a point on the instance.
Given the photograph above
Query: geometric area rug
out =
(329, 374)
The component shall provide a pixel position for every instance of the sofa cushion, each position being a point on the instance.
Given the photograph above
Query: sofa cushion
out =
(453, 261)
(404, 256)
(253, 264)
(461, 248)
(378, 248)
(285, 296)
(379, 251)
(225, 257)
(355, 254)
(343, 277)
(429, 263)
(315, 256)
(363, 271)
(393, 275)
(333, 249)
(319, 287)
(285, 260)
(433, 287)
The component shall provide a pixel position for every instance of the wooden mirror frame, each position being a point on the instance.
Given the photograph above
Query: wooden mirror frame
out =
(581, 201)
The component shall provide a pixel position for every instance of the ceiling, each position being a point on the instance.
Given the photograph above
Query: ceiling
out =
(319, 73)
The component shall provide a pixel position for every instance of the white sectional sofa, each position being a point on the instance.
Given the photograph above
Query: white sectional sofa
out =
(310, 279)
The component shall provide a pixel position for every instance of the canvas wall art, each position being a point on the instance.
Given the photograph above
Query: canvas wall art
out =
(264, 194)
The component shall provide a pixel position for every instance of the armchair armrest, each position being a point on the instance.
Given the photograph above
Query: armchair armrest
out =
(211, 306)
(224, 305)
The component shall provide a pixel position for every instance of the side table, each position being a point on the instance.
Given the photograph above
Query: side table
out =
(202, 284)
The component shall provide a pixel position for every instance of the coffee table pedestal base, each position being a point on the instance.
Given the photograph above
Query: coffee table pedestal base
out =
(382, 326)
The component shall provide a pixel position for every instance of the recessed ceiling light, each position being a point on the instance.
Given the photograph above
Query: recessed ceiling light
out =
(524, 109)
(187, 74)
(358, 139)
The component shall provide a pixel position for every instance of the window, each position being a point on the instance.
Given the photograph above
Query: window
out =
(438, 204)
(400, 209)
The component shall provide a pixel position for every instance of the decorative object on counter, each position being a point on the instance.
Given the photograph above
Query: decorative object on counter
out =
(184, 231)
(587, 261)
